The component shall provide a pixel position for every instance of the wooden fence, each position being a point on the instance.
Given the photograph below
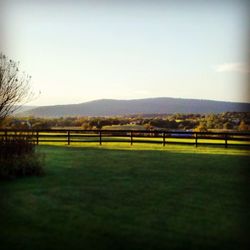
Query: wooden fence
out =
(130, 136)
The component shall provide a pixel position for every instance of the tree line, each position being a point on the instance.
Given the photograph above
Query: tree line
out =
(236, 121)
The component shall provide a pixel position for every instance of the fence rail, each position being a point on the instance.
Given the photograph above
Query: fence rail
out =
(130, 136)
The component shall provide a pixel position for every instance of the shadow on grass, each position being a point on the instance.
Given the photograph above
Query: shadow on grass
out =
(106, 198)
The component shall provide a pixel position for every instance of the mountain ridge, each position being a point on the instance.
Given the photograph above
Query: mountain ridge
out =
(159, 105)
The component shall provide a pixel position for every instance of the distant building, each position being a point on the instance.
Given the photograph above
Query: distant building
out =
(21, 124)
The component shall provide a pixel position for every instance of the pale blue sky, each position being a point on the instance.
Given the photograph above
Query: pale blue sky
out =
(78, 51)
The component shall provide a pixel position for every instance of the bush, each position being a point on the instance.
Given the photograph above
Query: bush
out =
(18, 157)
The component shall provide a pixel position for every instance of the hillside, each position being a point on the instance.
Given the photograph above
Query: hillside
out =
(163, 105)
(25, 108)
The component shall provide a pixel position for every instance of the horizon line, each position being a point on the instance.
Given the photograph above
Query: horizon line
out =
(134, 99)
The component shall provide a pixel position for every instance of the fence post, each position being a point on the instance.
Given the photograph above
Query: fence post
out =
(37, 137)
(131, 138)
(68, 137)
(100, 137)
(6, 135)
(225, 140)
(164, 139)
(196, 139)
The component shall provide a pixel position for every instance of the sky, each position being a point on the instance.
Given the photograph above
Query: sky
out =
(78, 51)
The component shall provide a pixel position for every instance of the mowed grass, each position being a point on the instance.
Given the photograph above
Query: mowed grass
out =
(122, 197)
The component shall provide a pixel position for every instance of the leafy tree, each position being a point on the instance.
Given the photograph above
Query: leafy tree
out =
(41, 125)
(243, 126)
(228, 125)
(202, 127)
(86, 126)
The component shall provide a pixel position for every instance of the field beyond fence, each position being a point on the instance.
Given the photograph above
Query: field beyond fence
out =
(129, 136)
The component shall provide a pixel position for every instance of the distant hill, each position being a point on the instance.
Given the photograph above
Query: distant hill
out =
(21, 109)
(163, 105)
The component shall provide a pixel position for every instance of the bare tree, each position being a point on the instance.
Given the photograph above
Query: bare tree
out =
(14, 87)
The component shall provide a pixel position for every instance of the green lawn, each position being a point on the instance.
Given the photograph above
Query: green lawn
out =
(121, 197)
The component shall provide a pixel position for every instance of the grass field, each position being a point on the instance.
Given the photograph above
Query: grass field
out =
(122, 197)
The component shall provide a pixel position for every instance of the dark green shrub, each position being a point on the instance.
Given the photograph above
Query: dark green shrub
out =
(18, 157)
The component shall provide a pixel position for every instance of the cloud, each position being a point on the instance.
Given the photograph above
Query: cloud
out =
(233, 67)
